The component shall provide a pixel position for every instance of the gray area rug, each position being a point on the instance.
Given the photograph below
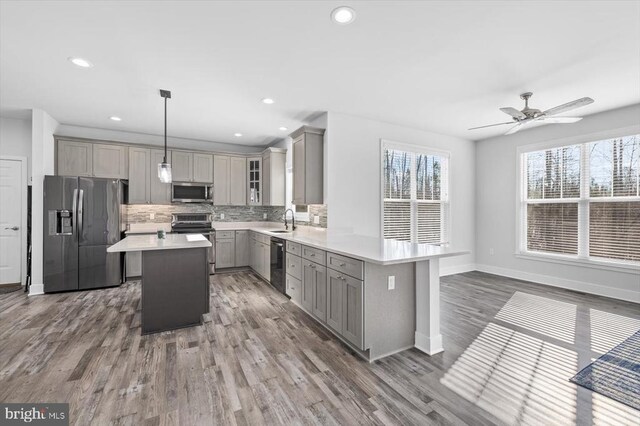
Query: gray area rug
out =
(615, 374)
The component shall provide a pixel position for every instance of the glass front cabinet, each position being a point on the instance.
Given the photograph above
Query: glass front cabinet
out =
(254, 179)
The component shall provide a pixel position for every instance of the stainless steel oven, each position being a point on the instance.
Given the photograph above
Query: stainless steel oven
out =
(189, 192)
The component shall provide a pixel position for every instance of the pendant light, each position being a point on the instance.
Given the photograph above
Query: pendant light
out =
(164, 168)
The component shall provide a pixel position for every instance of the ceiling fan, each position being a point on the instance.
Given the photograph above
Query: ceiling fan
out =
(529, 116)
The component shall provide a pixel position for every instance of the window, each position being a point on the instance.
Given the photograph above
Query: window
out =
(415, 203)
(583, 201)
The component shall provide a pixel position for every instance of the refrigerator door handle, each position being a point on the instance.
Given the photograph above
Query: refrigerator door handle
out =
(80, 212)
(74, 216)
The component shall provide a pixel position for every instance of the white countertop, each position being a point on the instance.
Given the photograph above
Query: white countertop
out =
(151, 242)
(367, 249)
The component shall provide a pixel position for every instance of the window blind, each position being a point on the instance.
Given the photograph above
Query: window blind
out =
(415, 204)
(584, 200)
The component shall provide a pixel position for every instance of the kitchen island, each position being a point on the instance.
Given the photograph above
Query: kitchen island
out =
(175, 279)
(378, 296)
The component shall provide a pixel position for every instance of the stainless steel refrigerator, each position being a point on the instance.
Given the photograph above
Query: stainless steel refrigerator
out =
(82, 217)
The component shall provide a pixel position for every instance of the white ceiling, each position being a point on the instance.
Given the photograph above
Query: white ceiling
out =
(439, 66)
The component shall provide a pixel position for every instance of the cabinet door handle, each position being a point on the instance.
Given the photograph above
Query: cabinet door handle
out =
(342, 265)
(312, 255)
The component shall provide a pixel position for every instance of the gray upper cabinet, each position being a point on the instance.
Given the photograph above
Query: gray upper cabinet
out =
(139, 175)
(220, 180)
(110, 161)
(181, 166)
(308, 165)
(237, 181)
(273, 177)
(160, 192)
(202, 167)
(75, 158)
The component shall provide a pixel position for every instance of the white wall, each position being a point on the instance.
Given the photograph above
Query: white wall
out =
(496, 182)
(15, 139)
(353, 168)
(43, 127)
(141, 138)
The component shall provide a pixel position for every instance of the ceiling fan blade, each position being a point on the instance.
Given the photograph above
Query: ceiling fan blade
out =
(514, 129)
(561, 120)
(569, 106)
(491, 125)
(513, 112)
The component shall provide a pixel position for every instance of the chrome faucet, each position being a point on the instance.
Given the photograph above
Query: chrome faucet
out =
(293, 220)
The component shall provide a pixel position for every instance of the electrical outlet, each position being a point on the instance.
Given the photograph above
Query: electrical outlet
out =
(391, 282)
(491, 252)
(221, 215)
(264, 215)
(152, 216)
(316, 219)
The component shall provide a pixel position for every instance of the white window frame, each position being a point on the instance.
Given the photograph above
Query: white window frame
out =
(445, 190)
(583, 258)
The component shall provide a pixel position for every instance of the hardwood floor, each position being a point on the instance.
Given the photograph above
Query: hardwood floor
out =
(511, 347)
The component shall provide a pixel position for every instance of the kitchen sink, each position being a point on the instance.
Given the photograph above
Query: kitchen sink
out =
(279, 231)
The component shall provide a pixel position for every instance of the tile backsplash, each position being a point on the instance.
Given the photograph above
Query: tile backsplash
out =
(141, 213)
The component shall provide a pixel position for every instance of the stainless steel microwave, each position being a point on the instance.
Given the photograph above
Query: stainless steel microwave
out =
(187, 192)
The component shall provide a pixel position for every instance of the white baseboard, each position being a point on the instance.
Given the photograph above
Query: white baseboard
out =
(600, 290)
(36, 289)
(457, 269)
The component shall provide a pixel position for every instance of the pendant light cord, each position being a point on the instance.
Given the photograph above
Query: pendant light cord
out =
(165, 130)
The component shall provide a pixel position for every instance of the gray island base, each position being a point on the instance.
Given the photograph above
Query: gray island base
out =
(175, 280)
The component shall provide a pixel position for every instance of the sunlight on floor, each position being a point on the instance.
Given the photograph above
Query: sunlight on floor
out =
(606, 411)
(609, 330)
(516, 377)
(540, 314)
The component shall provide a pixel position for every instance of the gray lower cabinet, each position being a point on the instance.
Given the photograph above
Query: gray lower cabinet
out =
(110, 161)
(160, 192)
(242, 248)
(294, 288)
(133, 263)
(319, 288)
(352, 311)
(225, 252)
(335, 287)
(74, 158)
(139, 175)
(308, 276)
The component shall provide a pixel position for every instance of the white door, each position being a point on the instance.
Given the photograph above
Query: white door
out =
(11, 188)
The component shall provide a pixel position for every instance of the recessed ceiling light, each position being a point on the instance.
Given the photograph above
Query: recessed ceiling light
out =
(237, 135)
(343, 15)
(82, 63)
(283, 128)
(114, 118)
(268, 101)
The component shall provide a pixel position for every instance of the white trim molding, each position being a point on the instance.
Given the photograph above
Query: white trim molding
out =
(583, 287)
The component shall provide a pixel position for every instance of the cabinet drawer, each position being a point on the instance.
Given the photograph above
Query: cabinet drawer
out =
(294, 266)
(346, 265)
(314, 254)
(294, 248)
(225, 235)
(294, 288)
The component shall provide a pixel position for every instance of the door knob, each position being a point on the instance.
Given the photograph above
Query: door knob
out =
(13, 228)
